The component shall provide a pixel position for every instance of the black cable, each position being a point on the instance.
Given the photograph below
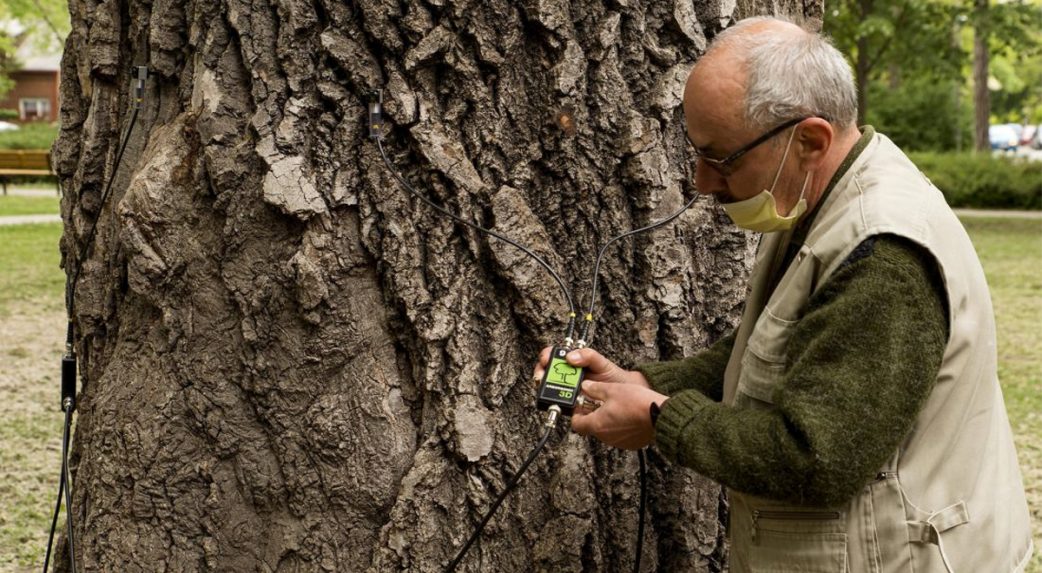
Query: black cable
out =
(68, 490)
(71, 298)
(510, 487)
(641, 510)
(54, 520)
(454, 217)
(68, 500)
(69, 360)
(600, 255)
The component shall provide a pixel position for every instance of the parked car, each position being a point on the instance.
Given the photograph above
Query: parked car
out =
(1028, 134)
(1003, 137)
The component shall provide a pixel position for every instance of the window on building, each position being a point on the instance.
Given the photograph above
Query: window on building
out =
(34, 108)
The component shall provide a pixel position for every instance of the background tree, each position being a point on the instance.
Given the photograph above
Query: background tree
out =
(981, 97)
(914, 65)
(873, 34)
(289, 364)
(1015, 62)
(888, 60)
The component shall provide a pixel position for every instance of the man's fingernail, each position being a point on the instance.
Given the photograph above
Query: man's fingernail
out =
(574, 356)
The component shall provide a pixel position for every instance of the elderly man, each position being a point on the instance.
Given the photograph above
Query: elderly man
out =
(855, 416)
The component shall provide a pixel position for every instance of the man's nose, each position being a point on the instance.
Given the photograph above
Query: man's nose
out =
(708, 180)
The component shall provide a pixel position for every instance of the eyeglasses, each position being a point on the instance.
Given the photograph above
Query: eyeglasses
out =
(725, 166)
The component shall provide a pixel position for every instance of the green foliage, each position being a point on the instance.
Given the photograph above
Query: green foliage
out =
(984, 181)
(46, 20)
(31, 136)
(6, 83)
(894, 42)
(912, 35)
(923, 114)
(8, 114)
(1016, 61)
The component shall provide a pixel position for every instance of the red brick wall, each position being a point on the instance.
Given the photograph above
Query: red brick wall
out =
(33, 85)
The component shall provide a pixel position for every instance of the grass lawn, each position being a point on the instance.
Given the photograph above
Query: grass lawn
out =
(32, 326)
(29, 258)
(1011, 252)
(32, 336)
(29, 205)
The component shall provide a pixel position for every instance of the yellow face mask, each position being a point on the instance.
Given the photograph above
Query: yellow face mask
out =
(760, 212)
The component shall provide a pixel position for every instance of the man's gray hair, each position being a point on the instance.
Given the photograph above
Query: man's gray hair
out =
(790, 76)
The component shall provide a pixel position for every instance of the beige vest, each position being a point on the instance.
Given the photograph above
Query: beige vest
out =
(951, 498)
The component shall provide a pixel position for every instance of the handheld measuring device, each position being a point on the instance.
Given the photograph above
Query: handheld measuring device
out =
(561, 383)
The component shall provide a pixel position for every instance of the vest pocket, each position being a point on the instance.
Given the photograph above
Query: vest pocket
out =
(764, 360)
(785, 541)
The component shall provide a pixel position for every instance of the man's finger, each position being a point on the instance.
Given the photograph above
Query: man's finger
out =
(590, 359)
(595, 390)
(582, 424)
(540, 367)
(587, 403)
(537, 376)
(544, 356)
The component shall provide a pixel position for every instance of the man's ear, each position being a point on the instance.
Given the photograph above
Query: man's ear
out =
(814, 140)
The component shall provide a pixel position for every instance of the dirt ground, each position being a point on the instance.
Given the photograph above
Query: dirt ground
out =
(31, 346)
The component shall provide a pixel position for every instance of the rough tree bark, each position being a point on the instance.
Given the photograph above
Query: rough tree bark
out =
(288, 364)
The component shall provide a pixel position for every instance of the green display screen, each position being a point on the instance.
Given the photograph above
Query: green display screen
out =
(560, 373)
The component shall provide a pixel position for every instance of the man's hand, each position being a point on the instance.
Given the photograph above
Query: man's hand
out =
(598, 368)
(623, 419)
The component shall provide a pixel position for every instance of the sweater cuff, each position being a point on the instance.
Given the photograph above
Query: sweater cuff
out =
(677, 413)
(664, 377)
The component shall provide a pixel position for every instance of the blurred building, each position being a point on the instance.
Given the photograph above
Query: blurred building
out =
(36, 79)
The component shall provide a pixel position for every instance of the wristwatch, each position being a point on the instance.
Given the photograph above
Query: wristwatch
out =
(655, 411)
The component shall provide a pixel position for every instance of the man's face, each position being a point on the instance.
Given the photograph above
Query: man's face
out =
(713, 109)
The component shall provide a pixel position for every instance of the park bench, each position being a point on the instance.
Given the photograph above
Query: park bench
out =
(20, 162)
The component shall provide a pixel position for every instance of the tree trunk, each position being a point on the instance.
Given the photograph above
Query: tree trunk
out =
(289, 364)
(981, 96)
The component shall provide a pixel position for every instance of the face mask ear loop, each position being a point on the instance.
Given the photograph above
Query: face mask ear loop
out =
(783, 158)
(803, 191)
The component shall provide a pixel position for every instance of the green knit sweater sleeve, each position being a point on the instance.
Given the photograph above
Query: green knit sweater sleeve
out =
(703, 371)
(859, 367)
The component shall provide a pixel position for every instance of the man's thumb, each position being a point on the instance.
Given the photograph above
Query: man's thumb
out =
(595, 390)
